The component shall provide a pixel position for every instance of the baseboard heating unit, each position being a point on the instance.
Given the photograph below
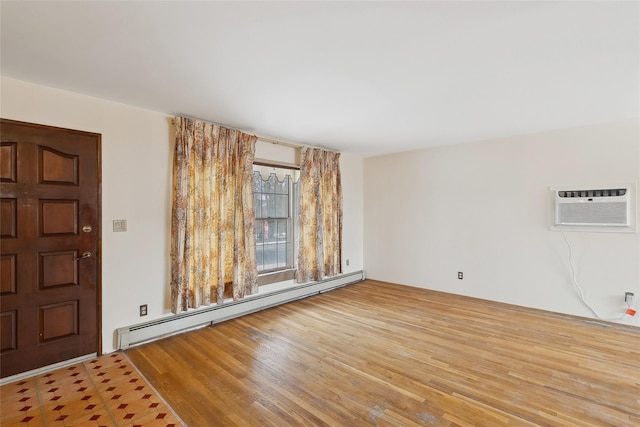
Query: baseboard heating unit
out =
(148, 331)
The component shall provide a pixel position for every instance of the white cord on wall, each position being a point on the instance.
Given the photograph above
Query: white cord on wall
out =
(574, 280)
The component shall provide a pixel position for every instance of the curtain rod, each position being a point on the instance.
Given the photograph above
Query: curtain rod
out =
(264, 138)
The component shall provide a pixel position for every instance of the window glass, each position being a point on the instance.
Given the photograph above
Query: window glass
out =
(274, 223)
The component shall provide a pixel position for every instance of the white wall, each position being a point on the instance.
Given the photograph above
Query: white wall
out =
(352, 207)
(483, 208)
(137, 147)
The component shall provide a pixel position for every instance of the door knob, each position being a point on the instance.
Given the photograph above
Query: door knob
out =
(85, 255)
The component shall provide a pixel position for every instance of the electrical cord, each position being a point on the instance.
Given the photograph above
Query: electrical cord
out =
(574, 280)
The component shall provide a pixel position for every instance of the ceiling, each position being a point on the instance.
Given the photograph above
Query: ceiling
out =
(366, 78)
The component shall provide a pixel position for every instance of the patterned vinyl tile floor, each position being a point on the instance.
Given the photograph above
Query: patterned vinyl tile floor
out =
(107, 391)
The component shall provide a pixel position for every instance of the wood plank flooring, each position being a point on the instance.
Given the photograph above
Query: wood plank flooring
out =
(380, 354)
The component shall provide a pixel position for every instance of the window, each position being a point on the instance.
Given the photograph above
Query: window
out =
(273, 193)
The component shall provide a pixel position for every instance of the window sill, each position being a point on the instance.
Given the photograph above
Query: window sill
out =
(276, 276)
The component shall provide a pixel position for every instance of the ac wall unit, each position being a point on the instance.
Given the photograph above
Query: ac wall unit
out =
(601, 207)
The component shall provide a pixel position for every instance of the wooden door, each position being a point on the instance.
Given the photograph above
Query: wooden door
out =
(49, 261)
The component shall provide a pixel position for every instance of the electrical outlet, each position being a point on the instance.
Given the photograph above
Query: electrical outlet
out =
(143, 310)
(347, 262)
(460, 275)
(628, 298)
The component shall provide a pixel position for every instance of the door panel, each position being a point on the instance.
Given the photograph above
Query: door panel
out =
(57, 168)
(8, 331)
(49, 218)
(7, 274)
(58, 269)
(8, 213)
(58, 320)
(58, 217)
(8, 155)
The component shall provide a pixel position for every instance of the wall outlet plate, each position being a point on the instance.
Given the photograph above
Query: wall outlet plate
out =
(628, 297)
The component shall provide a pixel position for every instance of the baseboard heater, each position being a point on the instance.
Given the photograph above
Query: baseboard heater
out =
(148, 331)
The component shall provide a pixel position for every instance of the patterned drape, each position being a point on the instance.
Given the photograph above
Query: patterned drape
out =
(212, 227)
(320, 220)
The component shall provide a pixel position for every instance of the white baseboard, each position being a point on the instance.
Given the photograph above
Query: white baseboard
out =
(152, 330)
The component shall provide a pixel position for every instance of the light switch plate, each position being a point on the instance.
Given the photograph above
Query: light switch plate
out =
(119, 225)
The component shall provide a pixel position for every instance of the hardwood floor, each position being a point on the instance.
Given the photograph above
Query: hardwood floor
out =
(380, 354)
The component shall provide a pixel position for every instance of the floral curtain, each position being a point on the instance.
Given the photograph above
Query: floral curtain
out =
(320, 218)
(212, 226)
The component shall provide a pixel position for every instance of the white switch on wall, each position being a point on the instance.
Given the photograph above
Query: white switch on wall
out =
(119, 225)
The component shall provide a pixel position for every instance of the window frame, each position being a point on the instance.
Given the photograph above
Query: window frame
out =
(280, 274)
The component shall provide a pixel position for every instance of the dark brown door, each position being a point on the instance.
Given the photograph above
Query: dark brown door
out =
(49, 261)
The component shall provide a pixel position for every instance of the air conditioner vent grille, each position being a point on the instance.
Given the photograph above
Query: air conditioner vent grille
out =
(611, 192)
(592, 213)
